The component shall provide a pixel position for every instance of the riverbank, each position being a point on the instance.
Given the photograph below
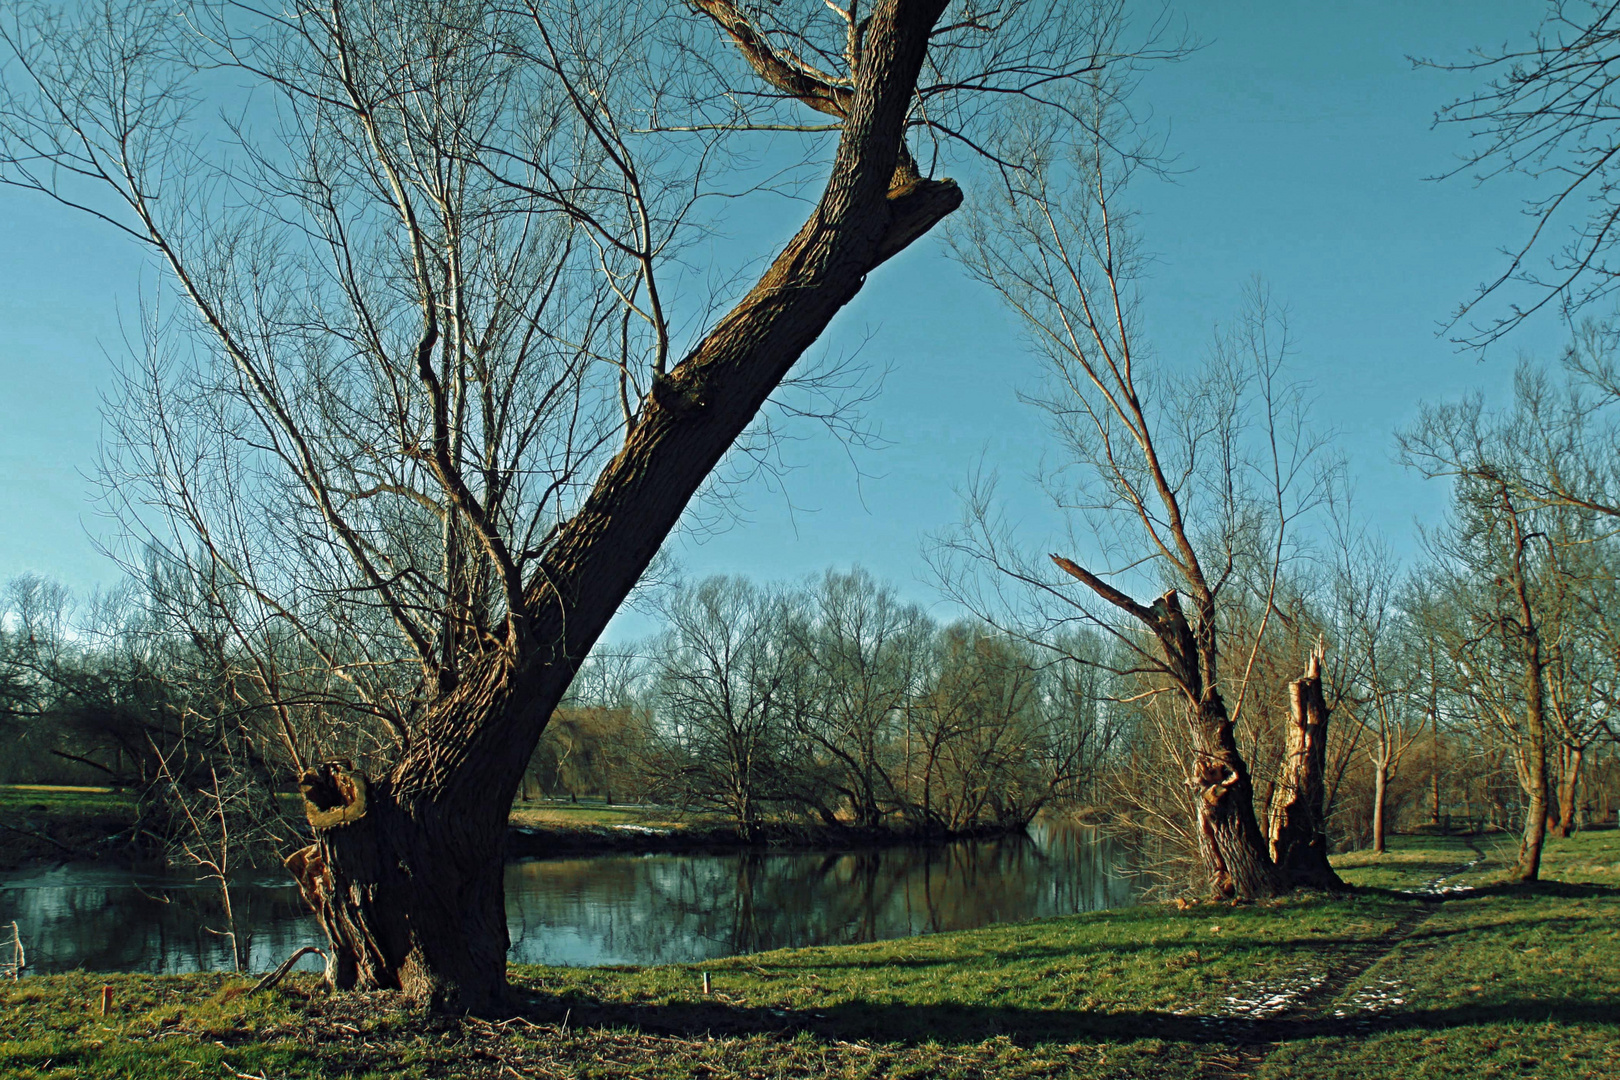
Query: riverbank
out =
(652, 836)
(1499, 981)
(42, 826)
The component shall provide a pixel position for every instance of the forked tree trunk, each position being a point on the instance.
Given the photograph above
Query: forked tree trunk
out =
(1534, 772)
(1568, 789)
(1299, 844)
(406, 870)
(1233, 848)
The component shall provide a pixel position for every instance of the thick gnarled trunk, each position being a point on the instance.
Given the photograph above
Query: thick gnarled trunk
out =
(1299, 845)
(406, 870)
(411, 899)
(1230, 841)
(1229, 836)
(406, 874)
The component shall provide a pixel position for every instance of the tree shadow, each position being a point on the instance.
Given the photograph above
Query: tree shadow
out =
(1563, 890)
(957, 1024)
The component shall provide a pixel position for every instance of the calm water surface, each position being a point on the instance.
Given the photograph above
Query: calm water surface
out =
(609, 909)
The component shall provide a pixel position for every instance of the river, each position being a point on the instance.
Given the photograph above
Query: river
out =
(605, 909)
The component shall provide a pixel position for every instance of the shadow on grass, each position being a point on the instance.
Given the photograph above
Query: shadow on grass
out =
(1235, 943)
(1564, 890)
(1435, 867)
(966, 1024)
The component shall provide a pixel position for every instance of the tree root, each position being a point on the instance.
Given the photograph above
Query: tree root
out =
(272, 978)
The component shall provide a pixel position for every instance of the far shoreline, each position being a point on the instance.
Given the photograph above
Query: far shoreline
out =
(45, 826)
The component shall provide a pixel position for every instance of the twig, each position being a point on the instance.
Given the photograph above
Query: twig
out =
(19, 959)
(40, 836)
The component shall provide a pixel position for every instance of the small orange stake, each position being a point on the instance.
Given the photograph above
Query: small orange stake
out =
(106, 1000)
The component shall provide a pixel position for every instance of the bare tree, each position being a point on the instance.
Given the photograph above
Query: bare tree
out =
(866, 653)
(426, 405)
(1195, 481)
(726, 692)
(1511, 554)
(1378, 677)
(1499, 650)
(1549, 110)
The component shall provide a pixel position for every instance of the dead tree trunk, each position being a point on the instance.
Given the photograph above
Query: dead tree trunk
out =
(1298, 835)
(406, 870)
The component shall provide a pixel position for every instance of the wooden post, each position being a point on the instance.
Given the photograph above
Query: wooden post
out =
(106, 1000)
(705, 982)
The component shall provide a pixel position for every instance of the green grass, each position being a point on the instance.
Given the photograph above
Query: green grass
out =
(1516, 981)
(45, 824)
(561, 815)
(42, 800)
(1510, 981)
(50, 802)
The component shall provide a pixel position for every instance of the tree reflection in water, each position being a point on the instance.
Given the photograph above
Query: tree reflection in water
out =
(671, 909)
(607, 909)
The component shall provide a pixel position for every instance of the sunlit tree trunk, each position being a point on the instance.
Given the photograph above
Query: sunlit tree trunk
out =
(1299, 844)
(1380, 798)
(1569, 789)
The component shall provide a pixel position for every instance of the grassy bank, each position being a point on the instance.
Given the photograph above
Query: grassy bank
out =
(1506, 981)
(43, 824)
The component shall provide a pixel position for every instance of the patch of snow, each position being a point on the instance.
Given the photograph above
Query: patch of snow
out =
(1254, 1000)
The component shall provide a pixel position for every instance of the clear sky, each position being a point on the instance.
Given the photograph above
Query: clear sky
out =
(1306, 137)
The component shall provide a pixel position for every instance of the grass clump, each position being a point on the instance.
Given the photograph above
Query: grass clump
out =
(1506, 981)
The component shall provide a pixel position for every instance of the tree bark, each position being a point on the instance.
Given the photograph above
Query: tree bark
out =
(1229, 837)
(409, 886)
(1233, 846)
(1568, 789)
(1380, 798)
(1434, 780)
(1299, 844)
(1535, 765)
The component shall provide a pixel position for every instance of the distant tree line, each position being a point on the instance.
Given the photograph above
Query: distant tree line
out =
(834, 703)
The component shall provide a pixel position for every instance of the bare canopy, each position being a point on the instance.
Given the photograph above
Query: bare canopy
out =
(431, 377)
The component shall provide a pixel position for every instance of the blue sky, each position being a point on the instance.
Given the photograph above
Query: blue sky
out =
(1305, 137)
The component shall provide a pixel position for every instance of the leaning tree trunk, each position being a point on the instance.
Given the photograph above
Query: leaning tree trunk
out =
(406, 870)
(1299, 844)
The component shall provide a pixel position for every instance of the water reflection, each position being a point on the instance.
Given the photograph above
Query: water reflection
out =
(614, 909)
